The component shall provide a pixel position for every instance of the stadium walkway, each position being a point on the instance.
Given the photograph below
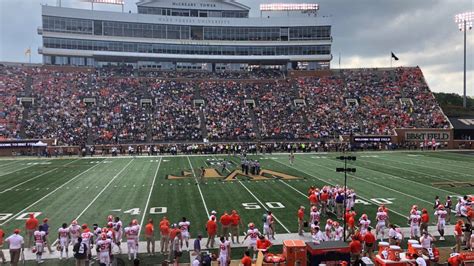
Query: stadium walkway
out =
(449, 231)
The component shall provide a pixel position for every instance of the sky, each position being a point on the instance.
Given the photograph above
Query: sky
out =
(365, 32)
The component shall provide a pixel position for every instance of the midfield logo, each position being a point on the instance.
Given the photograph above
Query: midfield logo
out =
(218, 172)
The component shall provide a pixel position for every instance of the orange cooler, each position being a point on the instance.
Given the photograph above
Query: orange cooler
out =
(294, 251)
(411, 242)
(383, 246)
(417, 249)
(394, 253)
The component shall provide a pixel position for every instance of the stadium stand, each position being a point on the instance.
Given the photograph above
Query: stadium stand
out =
(262, 104)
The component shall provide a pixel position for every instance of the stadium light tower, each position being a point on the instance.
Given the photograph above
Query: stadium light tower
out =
(464, 21)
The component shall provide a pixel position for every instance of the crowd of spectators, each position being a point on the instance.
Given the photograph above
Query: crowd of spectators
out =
(236, 106)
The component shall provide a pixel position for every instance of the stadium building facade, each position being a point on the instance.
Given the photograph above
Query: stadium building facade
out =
(188, 34)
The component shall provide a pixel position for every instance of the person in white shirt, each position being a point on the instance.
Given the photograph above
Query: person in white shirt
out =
(17, 245)
(441, 213)
(184, 227)
(425, 240)
(381, 218)
(415, 220)
(317, 236)
(419, 260)
(105, 248)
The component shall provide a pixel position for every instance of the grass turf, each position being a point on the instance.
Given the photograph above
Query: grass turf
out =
(89, 189)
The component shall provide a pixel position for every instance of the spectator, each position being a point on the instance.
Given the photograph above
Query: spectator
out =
(356, 250)
(197, 244)
(2, 256)
(246, 260)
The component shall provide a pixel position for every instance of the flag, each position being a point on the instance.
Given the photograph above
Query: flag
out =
(394, 57)
(28, 51)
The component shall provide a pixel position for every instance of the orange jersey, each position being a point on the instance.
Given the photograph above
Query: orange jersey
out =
(211, 227)
(246, 261)
(149, 229)
(31, 224)
(165, 221)
(369, 238)
(164, 229)
(226, 219)
(355, 246)
(324, 196)
(300, 214)
(2, 235)
(263, 244)
(313, 199)
(174, 232)
(235, 219)
(425, 218)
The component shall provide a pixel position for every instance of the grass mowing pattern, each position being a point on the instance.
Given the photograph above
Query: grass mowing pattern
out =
(121, 186)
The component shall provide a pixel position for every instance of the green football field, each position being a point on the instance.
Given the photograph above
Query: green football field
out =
(89, 189)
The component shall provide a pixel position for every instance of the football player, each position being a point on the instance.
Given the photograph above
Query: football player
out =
(88, 239)
(118, 228)
(131, 233)
(39, 236)
(224, 252)
(415, 220)
(314, 215)
(75, 231)
(104, 246)
(253, 233)
(381, 218)
(364, 224)
(63, 240)
(441, 214)
(184, 225)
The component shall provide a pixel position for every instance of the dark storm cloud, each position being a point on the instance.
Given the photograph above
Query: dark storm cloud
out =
(420, 32)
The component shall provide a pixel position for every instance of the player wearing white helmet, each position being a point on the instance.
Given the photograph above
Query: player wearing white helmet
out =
(314, 215)
(131, 233)
(328, 234)
(338, 231)
(39, 236)
(224, 251)
(118, 228)
(364, 224)
(104, 246)
(63, 240)
(441, 213)
(253, 233)
(381, 218)
(415, 220)
(75, 231)
(184, 227)
(87, 238)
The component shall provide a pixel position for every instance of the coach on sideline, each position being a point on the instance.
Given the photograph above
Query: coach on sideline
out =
(16, 245)
(31, 225)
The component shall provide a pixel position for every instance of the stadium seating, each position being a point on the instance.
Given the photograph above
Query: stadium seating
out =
(358, 101)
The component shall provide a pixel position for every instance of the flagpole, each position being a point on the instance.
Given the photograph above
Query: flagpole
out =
(391, 59)
(29, 54)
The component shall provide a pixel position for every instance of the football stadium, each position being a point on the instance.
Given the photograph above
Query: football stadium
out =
(204, 133)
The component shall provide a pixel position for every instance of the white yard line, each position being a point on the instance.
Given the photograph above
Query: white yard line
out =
(102, 191)
(149, 196)
(263, 205)
(35, 177)
(199, 187)
(18, 170)
(374, 183)
(26, 181)
(47, 195)
(404, 179)
(413, 171)
(327, 182)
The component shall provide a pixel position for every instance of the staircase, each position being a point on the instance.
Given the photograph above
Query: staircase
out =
(202, 116)
(256, 126)
(28, 91)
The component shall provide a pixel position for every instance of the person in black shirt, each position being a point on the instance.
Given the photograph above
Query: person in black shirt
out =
(80, 252)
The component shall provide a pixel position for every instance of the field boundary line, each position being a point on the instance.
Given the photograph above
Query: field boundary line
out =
(50, 193)
(327, 182)
(102, 191)
(199, 187)
(274, 216)
(149, 196)
(373, 183)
